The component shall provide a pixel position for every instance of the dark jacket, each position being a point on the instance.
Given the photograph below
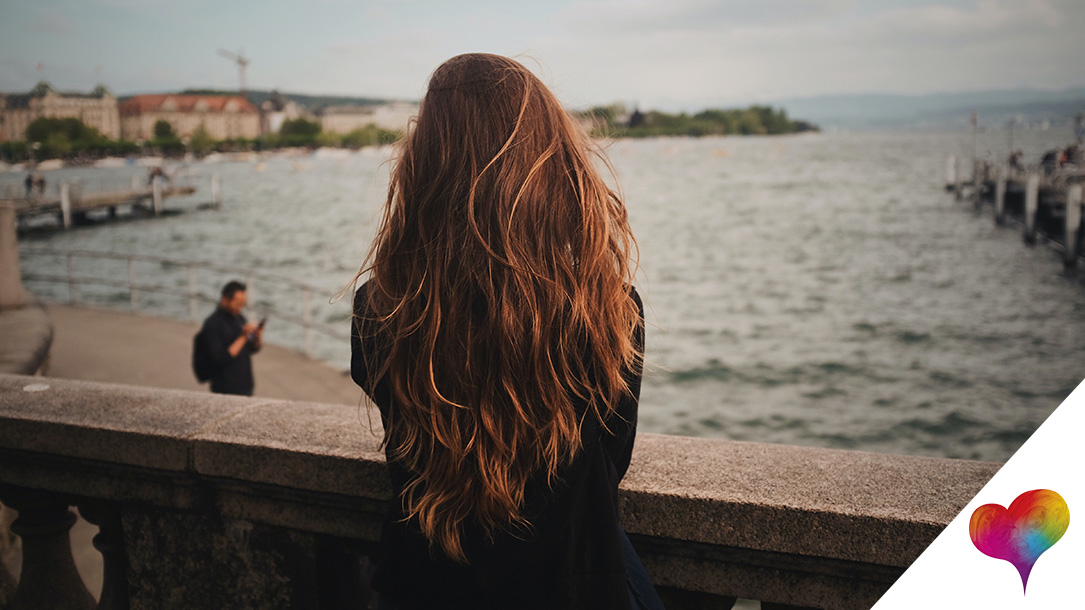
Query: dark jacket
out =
(571, 558)
(233, 375)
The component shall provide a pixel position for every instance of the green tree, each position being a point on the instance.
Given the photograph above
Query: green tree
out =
(362, 136)
(72, 130)
(300, 127)
(163, 130)
(299, 132)
(13, 152)
(201, 142)
(370, 135)
(166, 141)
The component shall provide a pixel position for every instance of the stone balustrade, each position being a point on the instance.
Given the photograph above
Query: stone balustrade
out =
(208, 501)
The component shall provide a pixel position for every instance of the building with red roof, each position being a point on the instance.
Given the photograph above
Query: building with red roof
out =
(224, 117)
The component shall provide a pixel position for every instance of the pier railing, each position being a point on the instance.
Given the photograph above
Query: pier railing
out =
(186, 288)
(208, 501)
(1046, 202)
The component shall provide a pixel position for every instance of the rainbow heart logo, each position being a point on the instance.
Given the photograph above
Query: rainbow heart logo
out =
(1033, 523)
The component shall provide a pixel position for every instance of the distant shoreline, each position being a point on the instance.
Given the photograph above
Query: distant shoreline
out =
(616, 122)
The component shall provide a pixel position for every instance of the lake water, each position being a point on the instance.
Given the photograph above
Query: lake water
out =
(818, 289)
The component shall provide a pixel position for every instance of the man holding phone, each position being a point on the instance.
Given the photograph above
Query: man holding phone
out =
(228, 341)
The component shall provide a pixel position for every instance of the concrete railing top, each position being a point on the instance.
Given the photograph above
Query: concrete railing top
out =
(841, 505)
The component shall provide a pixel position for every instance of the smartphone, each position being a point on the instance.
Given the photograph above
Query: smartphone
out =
(263, 321)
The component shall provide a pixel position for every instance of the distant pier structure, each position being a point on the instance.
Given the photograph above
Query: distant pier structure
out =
(73, 203)
(1044, 198)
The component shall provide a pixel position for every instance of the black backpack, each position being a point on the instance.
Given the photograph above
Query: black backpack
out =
(202, 365)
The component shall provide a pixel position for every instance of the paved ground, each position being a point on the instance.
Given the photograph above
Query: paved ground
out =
(99, 345)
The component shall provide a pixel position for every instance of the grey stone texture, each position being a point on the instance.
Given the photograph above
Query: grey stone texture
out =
(184, 560)
(848, 505)
(799, 526)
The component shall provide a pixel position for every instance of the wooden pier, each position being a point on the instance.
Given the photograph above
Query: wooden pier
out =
(1046, 203)
(72, 205)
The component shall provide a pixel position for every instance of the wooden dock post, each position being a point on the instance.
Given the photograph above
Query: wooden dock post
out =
(216, 188)
(156, 194)
(957, 178)
(65, 205)
(1000, 195)
(1073, 223)
(977, 181)
(1032, 200)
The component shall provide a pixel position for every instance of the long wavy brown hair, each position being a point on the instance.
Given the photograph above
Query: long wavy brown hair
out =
(500, 287)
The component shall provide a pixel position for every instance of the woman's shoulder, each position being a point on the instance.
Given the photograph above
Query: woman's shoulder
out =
(361, 298)
(637, 299)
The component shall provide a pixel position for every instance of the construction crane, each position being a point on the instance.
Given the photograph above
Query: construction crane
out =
(241, 61)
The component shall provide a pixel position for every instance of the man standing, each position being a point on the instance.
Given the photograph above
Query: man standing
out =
(230, 341)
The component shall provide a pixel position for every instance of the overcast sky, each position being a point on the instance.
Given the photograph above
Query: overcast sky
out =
(673, 54)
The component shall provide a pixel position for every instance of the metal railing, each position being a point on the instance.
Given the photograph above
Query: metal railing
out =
(191, 292)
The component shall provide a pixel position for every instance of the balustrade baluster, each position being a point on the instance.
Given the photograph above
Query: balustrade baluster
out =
(110, 543)
(49, 578)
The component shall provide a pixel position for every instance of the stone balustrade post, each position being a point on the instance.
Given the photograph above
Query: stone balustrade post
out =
(110, 543)
(49, 578)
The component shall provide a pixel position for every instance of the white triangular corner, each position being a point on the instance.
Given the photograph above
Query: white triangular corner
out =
(952, 573)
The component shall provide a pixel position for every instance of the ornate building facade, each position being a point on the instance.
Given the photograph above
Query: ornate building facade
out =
(224, 117)
(97, 109)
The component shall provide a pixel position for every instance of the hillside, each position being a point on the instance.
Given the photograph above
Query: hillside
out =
(876, 111)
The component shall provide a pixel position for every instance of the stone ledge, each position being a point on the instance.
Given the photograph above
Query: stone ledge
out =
(26, 335)
(811, 520)
(848, 505)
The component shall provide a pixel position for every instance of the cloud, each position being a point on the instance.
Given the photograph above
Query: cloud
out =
(654, 15)
(986, 16)
(52, 22)
(695, 52)
(673, 54)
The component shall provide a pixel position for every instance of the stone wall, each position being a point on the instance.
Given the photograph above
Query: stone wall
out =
(266, 492)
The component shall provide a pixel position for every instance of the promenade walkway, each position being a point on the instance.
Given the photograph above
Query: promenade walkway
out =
(115, 347)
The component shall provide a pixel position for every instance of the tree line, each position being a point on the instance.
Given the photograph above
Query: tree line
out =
(48, 138)
(615, 121)
(71, 139)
